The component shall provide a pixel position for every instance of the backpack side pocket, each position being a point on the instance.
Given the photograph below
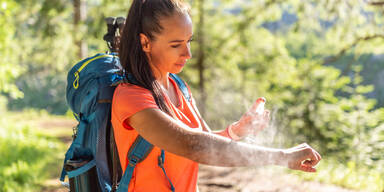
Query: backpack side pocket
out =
(82, 176)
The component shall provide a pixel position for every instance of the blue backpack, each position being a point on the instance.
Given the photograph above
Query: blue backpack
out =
(91, 162)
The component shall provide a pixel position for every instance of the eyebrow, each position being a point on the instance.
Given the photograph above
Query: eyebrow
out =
(179, 41)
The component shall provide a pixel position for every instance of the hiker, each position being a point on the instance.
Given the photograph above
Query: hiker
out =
(154, 44)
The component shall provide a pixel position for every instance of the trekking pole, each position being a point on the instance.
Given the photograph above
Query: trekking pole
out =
(120, 21)
(113, 34)
(111, 31)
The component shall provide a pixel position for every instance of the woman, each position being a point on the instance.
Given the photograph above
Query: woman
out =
(156, 42)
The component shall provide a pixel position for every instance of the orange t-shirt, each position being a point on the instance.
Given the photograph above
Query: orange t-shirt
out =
(129, 99)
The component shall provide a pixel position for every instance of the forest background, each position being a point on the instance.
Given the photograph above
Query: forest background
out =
(320, 64)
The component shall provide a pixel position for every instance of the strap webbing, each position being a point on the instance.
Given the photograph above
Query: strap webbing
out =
(161, 165)
(82, 169)
(124, 183)
(182, 86)
(138, 151)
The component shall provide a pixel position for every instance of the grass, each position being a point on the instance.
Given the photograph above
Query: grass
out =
(346, 175)
(33, 147)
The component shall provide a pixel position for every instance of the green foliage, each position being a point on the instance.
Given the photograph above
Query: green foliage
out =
(42, 44)
(45, 92)
(43, 36)
(27, 154)
(346, 174)
(313, 99)
(8, 71)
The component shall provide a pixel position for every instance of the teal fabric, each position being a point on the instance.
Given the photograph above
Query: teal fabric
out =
(82, 169)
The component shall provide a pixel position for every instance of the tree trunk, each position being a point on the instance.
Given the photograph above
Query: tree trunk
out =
(80, 12)
(201, 57)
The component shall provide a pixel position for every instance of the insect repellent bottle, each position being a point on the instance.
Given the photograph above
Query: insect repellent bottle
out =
(260, 107)
(259, 111)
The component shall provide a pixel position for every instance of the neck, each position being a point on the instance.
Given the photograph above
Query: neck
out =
(162, 79)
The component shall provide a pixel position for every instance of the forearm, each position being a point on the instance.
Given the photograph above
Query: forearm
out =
(218, 149)
(200, 146)
(210, 149)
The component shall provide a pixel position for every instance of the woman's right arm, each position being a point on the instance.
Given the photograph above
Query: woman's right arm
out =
(207, 148)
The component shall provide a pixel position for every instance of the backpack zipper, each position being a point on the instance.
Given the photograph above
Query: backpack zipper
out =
(76, 81)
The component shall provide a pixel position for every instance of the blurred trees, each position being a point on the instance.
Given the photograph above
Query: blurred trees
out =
(8, 71)
(79, 16)
(314, 61)
(307, 59)
(42, 48)
(46, 35)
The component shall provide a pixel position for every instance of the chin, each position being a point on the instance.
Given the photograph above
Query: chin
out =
(176, 71)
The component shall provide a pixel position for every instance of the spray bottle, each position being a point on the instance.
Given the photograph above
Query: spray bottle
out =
(260, 107)
(259, 111)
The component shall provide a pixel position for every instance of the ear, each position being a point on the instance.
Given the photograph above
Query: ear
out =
(145, 44)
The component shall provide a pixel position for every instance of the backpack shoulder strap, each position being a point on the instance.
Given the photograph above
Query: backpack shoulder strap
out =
(182, 86)
(138, 152)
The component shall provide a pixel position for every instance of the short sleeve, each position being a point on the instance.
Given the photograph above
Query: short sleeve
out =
(129, 99)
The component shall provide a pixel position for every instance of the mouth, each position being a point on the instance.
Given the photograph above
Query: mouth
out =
(181, 64)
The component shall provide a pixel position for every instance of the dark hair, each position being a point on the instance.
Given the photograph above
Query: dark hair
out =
(144, 17)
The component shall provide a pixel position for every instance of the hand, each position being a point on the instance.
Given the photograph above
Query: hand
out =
(253, 121)
(302, 157)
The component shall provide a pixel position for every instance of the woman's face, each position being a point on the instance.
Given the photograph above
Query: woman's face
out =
(170, 50)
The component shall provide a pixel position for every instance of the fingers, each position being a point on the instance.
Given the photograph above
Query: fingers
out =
(246, 118)
(255, 119)
(304, 158)
(266, 116)
(263, 123)
(307, 168)
(311, 156)
(307, 163)
(249, 117)
(317, 154)
(317, 157)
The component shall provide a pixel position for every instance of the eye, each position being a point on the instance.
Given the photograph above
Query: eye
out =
(190, 40)
(175, 46)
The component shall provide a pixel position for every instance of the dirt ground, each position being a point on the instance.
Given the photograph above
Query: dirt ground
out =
(219, 179)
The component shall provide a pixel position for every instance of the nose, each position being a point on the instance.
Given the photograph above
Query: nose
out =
(187, 52)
